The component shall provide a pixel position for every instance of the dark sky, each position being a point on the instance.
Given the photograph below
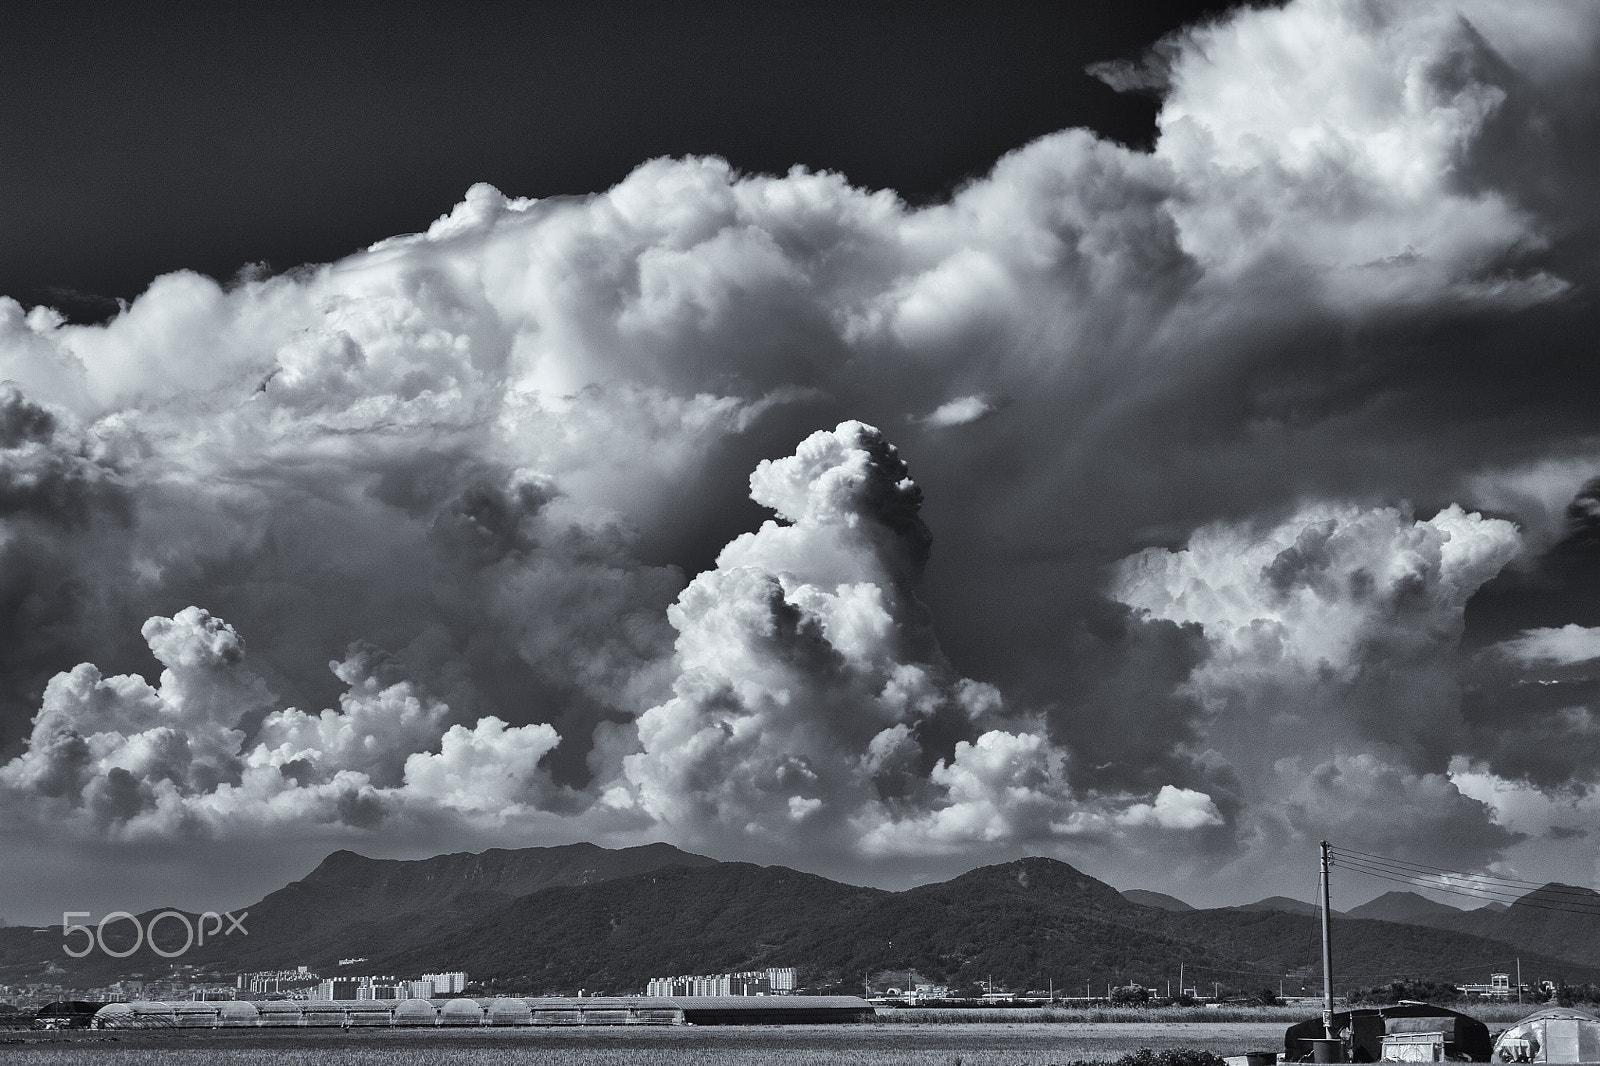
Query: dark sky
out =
(140, 139)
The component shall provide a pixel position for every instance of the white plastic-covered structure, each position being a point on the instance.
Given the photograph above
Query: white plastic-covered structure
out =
(461, 1012)
(369, 1012)
(237, 1012)
(508, 1010)
(112, 1016)
(195, 1014)
(415, 1012)
(143, 1014)
(279, 1012)
(1556, 1034)
(503, 1011)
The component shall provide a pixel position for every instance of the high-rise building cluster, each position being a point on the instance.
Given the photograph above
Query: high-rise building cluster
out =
(773, 981)
(277, 982)
(429, 986)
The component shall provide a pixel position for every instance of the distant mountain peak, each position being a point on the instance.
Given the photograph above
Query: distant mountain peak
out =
(1281, 903)
(1146, 898)
(1556, 892)
(1403, 907)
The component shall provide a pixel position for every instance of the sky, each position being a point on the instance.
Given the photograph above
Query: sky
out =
(876, 439)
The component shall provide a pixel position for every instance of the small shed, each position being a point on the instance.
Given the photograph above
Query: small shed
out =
(1465, 1038)
(1557, 1034)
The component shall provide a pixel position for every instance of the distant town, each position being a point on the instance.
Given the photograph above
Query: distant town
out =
(302, 984)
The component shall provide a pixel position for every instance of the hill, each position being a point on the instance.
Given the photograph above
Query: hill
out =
(608, 921)
(1280, 903)
(1024, 924)
(1146, 898)
(1561, 921)
(352, 906)
(1554, 919)
(1403, 907)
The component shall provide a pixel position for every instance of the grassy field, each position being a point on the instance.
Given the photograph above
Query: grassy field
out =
(1493, 1015)
(1009, 1043)
(1092, 1015)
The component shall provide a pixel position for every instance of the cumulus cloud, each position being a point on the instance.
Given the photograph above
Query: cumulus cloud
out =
(1331, 678)
(206, 752)
(511, 451)
(814, 701)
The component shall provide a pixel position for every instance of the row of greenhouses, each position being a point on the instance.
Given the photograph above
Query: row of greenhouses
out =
(352, 1013)
(510, 1010)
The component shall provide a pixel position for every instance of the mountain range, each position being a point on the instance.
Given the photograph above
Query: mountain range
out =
(552, 920)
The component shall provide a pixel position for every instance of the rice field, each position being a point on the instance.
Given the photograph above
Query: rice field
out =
(1002, 1043)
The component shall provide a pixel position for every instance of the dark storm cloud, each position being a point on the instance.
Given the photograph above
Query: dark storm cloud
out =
(1176, 554)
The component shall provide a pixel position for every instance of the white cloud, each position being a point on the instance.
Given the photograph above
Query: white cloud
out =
(813, 700)
(958, 412)
(1560, 647)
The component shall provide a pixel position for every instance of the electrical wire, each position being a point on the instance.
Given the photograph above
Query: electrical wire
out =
(1492, 880)
(1432, 887)
(1580, 901)
(1573, 905)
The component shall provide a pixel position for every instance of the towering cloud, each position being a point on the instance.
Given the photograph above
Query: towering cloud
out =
(1175, 414)
(814, 702)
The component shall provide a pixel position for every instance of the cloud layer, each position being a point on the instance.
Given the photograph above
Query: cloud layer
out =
(1228, 449)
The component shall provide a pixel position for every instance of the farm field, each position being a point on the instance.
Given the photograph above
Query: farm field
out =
(906, 1044)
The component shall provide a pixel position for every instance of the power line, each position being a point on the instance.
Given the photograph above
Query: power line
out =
(1491, 880)
(1564, 904)
(1469, 893)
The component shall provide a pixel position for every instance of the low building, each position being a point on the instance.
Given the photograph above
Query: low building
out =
(1499, 987)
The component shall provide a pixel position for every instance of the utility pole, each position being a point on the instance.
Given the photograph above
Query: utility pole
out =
(1327, 952)
(1519, 980)
(1180, 977)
